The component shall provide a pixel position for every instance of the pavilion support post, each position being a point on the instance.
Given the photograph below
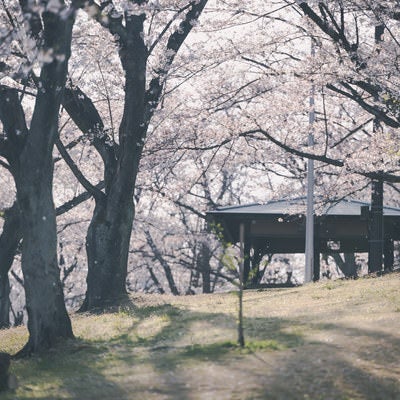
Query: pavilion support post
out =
(388, 256)
(317, 265)
(376, 228)
(247, 258)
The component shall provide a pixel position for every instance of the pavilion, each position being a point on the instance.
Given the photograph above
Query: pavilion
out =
(278, 227)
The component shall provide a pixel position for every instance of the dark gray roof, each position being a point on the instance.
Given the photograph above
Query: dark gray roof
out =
(298, 206)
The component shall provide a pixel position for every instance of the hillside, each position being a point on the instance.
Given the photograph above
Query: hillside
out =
(332, 340)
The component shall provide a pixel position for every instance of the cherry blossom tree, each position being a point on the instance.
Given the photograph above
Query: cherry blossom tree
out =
(167, 115)
(140, 28)
(36, 38)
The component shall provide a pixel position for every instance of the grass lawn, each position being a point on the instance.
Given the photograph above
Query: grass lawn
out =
(333, 340)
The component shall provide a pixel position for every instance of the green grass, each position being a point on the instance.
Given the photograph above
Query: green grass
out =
(333, 340)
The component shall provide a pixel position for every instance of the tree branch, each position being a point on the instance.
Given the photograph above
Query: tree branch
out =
(175, 41)
(167, 26)
(387, 177)
(326, 27)
(69, 205)
(111, 20)
(355, 96)
(158, 255)
(95, 192)
(86, 117)
(14, 124)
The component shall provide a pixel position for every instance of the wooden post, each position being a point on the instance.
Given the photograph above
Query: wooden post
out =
(317, 261)
(246, 257)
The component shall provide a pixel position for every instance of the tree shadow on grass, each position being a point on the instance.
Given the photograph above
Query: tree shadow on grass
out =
(321, 373)
(387, 348)
(324, 370)
(280, 362)
(67, 371)
(314, 369)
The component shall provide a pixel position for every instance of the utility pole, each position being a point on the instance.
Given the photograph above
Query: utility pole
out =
(309, 242)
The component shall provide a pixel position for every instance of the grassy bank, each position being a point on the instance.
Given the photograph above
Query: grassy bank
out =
(333, 340)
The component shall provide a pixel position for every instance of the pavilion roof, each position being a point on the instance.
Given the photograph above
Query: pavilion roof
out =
(298, 206)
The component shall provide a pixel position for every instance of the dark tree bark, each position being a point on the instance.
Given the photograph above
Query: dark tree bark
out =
(203, 265)
(348, 266)
(29, 153)
(9, 240)
(107, 247)
(4, 300)
(109, 233)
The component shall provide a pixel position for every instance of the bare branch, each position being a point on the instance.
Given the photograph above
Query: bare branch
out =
(97, 193)
(69, 205)
(385, 176)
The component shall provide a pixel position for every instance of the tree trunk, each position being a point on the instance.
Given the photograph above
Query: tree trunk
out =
(48, 320)
(351, 265)
(47, 317)
(4, 300)
(204, 258)
(110, 229)
(107, 247)
(348, 266)
(9, 241)
(109, 232)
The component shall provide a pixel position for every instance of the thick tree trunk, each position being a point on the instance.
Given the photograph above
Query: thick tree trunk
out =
(107, 247)
(109, 232)
(110, 229)
(9, 240)
(48, 320)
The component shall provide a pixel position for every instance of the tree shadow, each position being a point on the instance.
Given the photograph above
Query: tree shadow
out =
(321, 370)
(280, 361)
(68, 368)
